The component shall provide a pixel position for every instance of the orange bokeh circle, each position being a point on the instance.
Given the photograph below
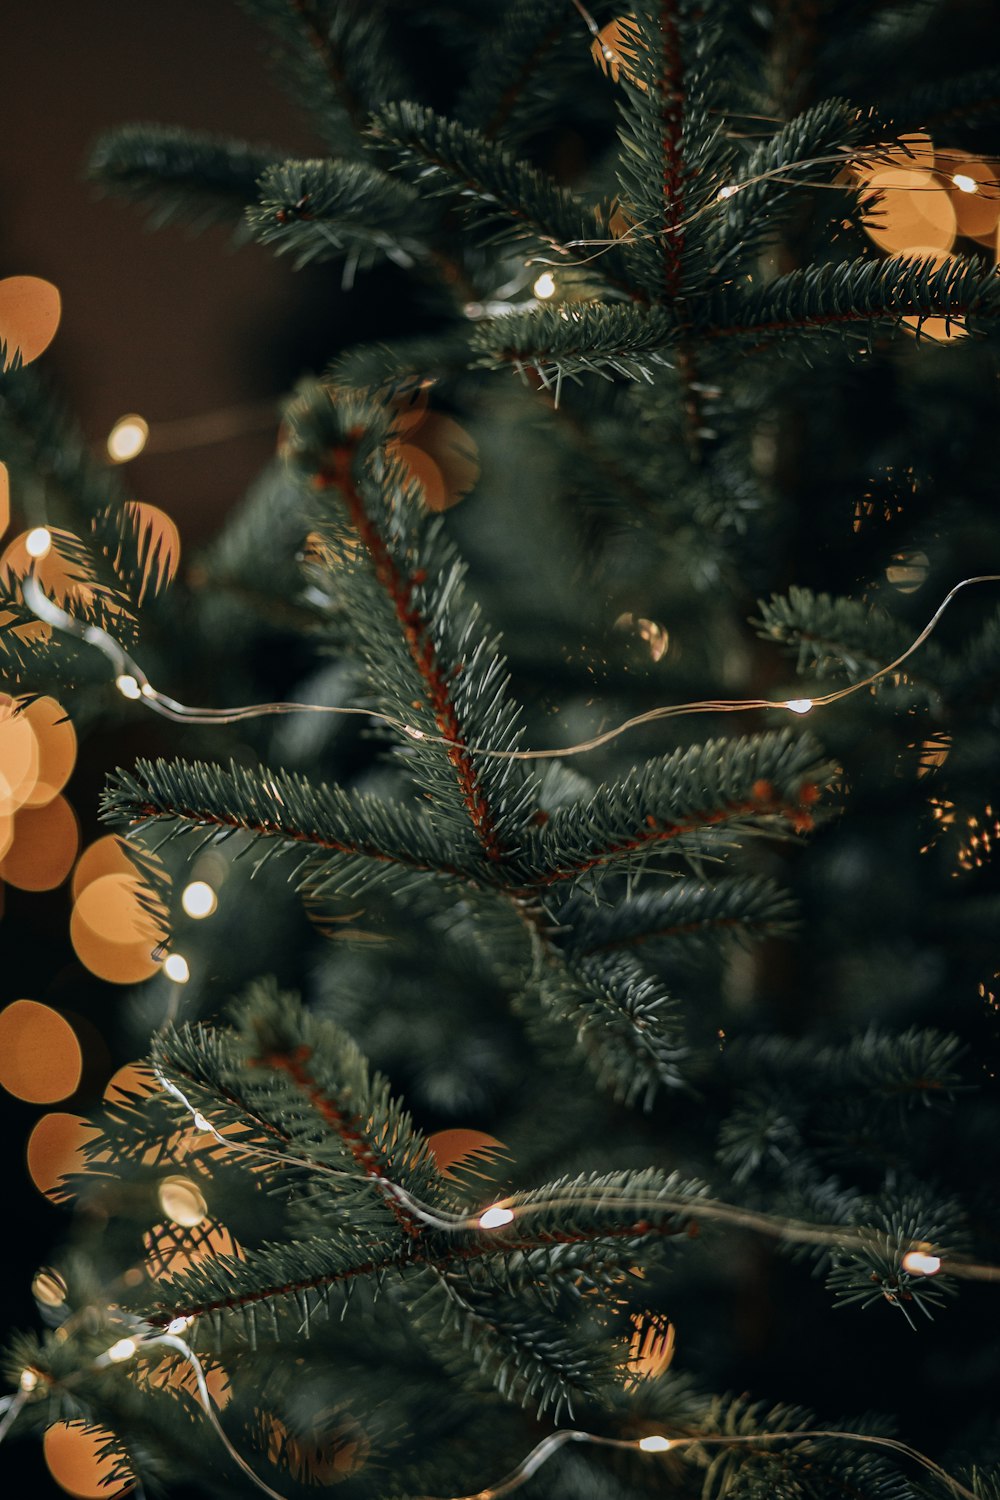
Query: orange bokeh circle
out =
(30, 309)
(72, 1454)
(44, 846)
(55, 1148)
(40, 1056)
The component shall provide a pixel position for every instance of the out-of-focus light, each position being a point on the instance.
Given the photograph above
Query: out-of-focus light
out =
(48, 1288)
(799, 705)
(38, 542)
(73, 1456)
(127, 438)
(198, 899)
(726, 192)
(121, 1351)
(182, 1201)
(964, 183)
(28, 1380)
(128, 686)
(179, 1325)
(545, 286)
(40, 1056)
(655, 1443)
(176, 968)
(30, 309)
(494, 1217)
(919, 1263)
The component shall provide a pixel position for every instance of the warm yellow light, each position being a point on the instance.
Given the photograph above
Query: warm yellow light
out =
(198, 899)
(799, 705)
(964, 183)
(545, 286)
(655, 1443)
(726, 192)
(182, 1201)
(123, 1350)
(919, 1263)
(127, 438)
(176, 968)
(28, 1380)
(49, 1288)
(38, 542)
(494, 1217)
(127, 686)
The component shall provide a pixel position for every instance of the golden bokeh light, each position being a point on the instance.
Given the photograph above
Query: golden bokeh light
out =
(133, 1078)
(914, 151)
(111, 906)
(974, 189)
(441, 457)
(40, 1056)
(112, 933)
(44, 846)
(940, 330)
(182, 1201)
(176, 968)
(170, 1250)
(19, 757)
(174, 1374)
(904, 209)
(651, 1348)
(615, 52)
(127, 438)
(158, 544)
(58, 568)
(468, 1150)
(72, 1455)
(545, 286)
(48, 1288)
(105, 856)
(334, 1448)
(30, 309)
(907, 571)
(4, 498)
(56, 739)
(56, 1148)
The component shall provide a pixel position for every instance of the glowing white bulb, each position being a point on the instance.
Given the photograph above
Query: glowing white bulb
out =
(799, 705)
(127, 438)
(545, 286)
(198, 899)
(200, 1123)
(127, 686)
(176, 968)
(726, 192)
(28, 1380)
(179, 1325)
(919, 1263)
(124, 1349)
(494, 1217)
(964, 183)
(38, 542)
(655, 1443)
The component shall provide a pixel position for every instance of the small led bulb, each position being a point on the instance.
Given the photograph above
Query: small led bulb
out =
(655, 1443)
(919, 1263)
(799, 705)
(179, 1325)
(545, 286)
(494, 1217)
(28, 1380)
(38, 542)
(176, 968)
(123, 1350)
(127, 686)
(127, 438)
(964, 183)
(198, 899)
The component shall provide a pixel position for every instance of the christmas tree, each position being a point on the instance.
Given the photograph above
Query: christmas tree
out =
(568, 1050)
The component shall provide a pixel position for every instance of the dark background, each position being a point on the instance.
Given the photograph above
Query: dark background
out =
(165, 324)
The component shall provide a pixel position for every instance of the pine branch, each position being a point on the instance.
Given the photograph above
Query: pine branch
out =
(325, 209)
(840, 637)
(686, 913)
(680, 803)
(186, 175)
(502, 97)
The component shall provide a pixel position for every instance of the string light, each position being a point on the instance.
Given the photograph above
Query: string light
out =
(655, 1443)
(28, 1380)
(134, 684)
(198, 899)
(38, 542)
(545, 286)
(176, 968)
(964, 183)
(495, 1217)
(919, 1263)
(127, 438)
(121, 1351)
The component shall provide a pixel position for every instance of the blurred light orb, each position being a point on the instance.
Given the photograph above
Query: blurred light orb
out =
(72, 1452)
(56, 1148)
(495, 1217)
(4, 498)
(545, 286)
(127, 438)
(907, 571)
(905, 209)
(56, 739)
(40, 1057)
(48, 1288)
(44, 846)
(965, 184)
(128, 686)
(30, 309)
(182, 1201)
(919, 1263)
(198, 899)
(655, 1443)
(38, 542)
(176, 968)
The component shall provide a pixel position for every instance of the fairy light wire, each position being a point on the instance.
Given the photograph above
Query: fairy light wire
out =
(133, 683)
